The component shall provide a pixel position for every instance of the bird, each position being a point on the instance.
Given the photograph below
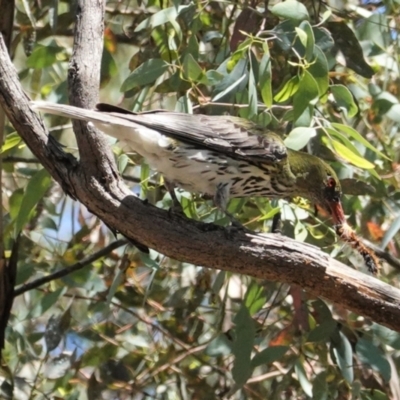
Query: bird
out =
(221, 157)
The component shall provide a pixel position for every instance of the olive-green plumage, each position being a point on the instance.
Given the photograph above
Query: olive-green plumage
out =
(221, 156)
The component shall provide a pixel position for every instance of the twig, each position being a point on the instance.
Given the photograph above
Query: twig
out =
(72, 268)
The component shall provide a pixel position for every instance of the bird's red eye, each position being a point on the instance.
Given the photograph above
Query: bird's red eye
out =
(331, 182)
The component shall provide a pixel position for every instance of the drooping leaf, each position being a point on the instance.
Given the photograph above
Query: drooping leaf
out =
(253, 97)
(344, 99)
(289, 89)
(269, 355)
(44, 56)
(348, 44)
(306, 93)
(35, 190)
(308, 40)
(323, 331)
(147, 73)
(356, 136)
(191, 68)
(243, 346)
(265, 78)
(255, 298)
(319, 70)
(161, 17)
(350, 156)
(391, 232)
(302, 377)
(343, 353)
(12, 140)
(373, 357)
(320, 387)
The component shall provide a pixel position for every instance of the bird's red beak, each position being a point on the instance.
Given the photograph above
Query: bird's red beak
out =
(337, 212)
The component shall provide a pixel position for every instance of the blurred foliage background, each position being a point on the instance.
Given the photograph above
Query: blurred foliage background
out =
(125, 325)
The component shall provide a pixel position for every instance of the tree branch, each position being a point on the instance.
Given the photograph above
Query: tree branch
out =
(72, 268)
(270, 257)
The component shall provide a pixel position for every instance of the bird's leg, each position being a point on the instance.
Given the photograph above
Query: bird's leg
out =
(221, 199)
(277, 223)
(176, 205)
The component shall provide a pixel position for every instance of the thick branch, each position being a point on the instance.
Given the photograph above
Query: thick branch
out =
(270, 257)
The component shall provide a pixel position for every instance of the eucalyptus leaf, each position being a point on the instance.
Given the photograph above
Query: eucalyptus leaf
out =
(344, 99)
(299, 137)
(145, 74)
(290, 9)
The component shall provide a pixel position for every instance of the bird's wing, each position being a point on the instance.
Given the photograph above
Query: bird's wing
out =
(233, 136)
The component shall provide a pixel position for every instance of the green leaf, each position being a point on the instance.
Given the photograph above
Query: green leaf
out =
(211, 78)
(382, 106)
(344, 355)
(191, 68)
(289, 89)
(290, 9)
(299, 137)
(300, 232)
(255, 298)
(394, 113)
(43, 56)
(123, 161)
(161, 17)
(322, 332)
(269, 355)
(373, 394)
(233, 81)
(35, 190)
(302, 376)
(229, 88)
(306, 93)
(356, 136)
(184, 104)
(145, 74)
(373, 357)
(269, 214)
(305, 118)
(243, 346)
(320, 387)
(265, 80)
(343, 139)
(218, 282)
(391, 232)
(253, 98)
(351, 157)
(15, 202)
(12, 140)
(320, 71)
(46, 301)
(344, 99)
(307, 39)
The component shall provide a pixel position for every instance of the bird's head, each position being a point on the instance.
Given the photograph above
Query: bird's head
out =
(318, 182)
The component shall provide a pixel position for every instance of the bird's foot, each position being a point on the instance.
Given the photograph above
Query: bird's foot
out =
(176, 209)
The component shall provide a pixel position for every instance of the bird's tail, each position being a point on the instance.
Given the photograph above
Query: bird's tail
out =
(82, 114)
(120, 125)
